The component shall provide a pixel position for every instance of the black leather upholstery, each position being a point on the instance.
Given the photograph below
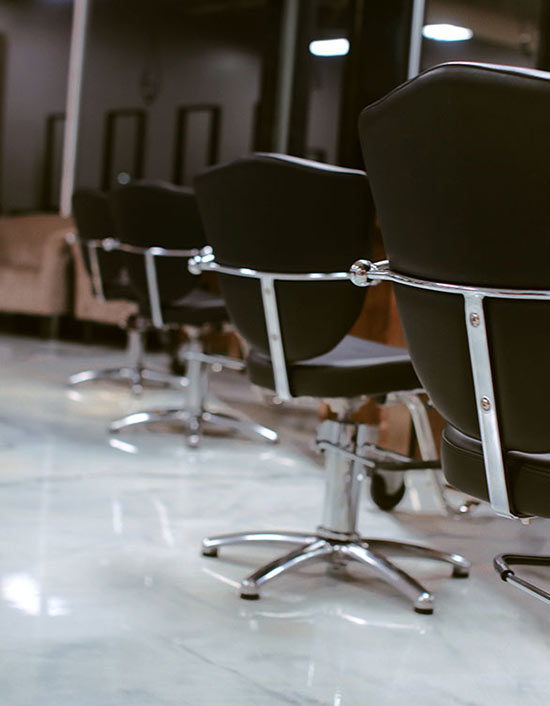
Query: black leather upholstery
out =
(92, 215)
(459, 164)
(196, 307)
(528, 474)
(277, 214)
(157, 214)
(282, 214)
(354, 366)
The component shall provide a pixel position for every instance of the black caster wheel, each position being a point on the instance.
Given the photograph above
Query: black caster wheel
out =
(210, 551)
(379, 493)
(250, 596)
(459, 573)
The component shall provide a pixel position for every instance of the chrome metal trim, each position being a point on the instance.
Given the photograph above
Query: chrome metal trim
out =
(380, 459)
(276, 348)
(502, 564)
(207, 263)
(153, 288)
(363, 272)
(485, 404)
(379, 271)
(113, 244)
(223, 361)
(149, 255)
(338, 550)
(342, 478)
(97, 280)
(428, 451)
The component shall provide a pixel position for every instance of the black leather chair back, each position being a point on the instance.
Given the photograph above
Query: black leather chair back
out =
(92, 215)
(157, 214)
(285, 215)
(459, 164)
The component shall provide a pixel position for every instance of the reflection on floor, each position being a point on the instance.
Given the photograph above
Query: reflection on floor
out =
(105, 599)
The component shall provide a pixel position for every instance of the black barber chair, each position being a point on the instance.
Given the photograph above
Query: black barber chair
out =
(160, 229)
(459, 164)
(283, 231)
(109, 279)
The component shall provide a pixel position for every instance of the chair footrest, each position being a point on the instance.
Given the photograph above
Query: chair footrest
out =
(503, 562)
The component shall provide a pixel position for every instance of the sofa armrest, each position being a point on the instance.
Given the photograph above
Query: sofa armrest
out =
(53, 268)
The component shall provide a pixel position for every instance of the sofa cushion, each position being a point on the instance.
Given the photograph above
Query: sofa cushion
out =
(22, 238)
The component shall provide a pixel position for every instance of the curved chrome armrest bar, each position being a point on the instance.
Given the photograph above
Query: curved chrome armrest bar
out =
(149, 255)
(206, 262)
(114, 244)
(364, 273)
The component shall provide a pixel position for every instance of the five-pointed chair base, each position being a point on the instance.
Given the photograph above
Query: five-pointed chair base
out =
(194, 423)
(135, 373)
(136, 377)
(193, 414)
(337, 540)
(317, 547)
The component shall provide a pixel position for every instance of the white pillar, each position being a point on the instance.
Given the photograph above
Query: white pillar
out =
(286, 74)
(74, 89)
(416, 37)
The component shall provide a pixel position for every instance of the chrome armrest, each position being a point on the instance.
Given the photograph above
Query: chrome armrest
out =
(364, 273)
(149, 255)
(206, 262)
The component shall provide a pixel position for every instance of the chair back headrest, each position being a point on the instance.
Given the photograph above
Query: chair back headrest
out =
(459, 163)
(94, 221)
(281, 214)
(157, 214)
(92, 214)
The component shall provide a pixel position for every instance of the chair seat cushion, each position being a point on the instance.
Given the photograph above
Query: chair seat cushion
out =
(354, 367)
(197, 307)
(528, 474)
(119, 291)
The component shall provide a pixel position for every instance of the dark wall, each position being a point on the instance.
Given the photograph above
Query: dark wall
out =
(37, 38)
(133, 46)
(472, 50)
(187, 58)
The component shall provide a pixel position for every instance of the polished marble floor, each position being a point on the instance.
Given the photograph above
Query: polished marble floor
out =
(106, 601)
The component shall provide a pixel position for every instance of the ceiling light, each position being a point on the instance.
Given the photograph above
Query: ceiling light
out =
(447, 33)
(329, 47)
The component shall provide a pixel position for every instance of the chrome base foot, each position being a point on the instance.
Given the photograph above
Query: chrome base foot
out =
(193, 424)
(322, 547)
(135, 377)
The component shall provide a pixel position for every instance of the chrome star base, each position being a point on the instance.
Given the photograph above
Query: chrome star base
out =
(337, 540)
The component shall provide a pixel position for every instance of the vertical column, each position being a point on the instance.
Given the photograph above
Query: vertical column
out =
(415, 49)
(281, 121)
(378, 61)
(74, 89)
(286, 74)
(543, 54)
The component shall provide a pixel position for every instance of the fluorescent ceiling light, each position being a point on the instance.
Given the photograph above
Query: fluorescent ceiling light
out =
(447, 33)
(329, 47)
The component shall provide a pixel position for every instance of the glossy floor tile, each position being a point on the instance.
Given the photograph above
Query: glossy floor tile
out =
(105, 599)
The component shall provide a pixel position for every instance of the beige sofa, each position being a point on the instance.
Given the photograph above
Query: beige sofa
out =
(34, 264)
(35, 273)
